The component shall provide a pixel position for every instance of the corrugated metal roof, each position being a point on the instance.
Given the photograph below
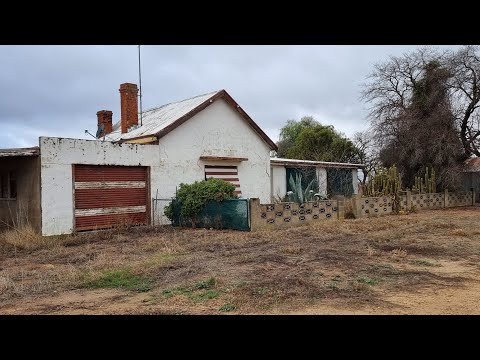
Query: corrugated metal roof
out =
(33, 151)
(472, 165)
(156, 119)
(290, 162)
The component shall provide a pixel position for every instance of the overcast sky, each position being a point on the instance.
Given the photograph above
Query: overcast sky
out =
(57, 90)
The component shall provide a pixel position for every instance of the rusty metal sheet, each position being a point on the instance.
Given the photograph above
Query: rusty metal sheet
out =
(107, 196)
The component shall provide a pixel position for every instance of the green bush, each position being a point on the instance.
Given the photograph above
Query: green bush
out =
(194, 197)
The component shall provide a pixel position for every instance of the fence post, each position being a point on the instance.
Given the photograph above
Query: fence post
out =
(445, 200)
(409, 200)
(254, 213)
(356, 206)
(340, 206)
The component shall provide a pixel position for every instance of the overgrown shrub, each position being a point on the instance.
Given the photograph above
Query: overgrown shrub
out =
(194, 197)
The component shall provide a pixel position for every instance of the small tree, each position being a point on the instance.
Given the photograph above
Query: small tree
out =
(192, 198)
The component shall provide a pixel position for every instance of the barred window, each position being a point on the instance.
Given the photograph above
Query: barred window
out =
(227, 173)
(8, 186)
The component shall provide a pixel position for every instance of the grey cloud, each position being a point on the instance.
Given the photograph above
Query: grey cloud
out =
(57, 90)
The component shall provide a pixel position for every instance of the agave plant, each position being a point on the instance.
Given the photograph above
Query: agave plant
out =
(297, 194)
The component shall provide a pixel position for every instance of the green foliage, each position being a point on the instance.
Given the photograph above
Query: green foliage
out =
(120, 279)
(297, 194)
(290, 132)
(194, 197)
(427, 183)
(201, 291)
(227, 308)
(307, 139)
(205, 284)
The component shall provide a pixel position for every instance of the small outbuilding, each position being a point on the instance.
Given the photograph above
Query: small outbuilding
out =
(470, 177)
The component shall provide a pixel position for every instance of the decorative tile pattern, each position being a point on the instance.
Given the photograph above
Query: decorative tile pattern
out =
(375, 205)
(428, 201)
(295, 213)
(459, 199)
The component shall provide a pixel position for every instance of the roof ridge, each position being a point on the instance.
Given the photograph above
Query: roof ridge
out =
(179, 101)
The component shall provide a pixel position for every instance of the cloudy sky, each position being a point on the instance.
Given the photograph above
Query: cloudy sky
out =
(57, 90)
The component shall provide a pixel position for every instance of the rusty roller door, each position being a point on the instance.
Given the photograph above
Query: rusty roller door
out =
(107, 196)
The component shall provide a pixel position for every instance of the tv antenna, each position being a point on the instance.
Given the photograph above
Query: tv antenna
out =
(99, 131)
(140, 82)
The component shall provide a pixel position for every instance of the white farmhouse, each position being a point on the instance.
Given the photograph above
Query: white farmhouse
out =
(66, 185)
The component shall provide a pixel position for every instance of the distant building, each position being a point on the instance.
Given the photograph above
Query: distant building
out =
(471, 176)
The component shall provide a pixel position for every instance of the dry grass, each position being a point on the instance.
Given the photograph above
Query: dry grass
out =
(348, 209)
(140, 270)
(458, 232)
(24, 237)
(400, 253)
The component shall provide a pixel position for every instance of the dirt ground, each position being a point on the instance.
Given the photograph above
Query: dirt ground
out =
(421, 263)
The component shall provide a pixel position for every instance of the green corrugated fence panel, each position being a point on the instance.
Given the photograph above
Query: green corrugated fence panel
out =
(226, 214)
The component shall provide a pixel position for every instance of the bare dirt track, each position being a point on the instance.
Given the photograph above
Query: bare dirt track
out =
(421, 263)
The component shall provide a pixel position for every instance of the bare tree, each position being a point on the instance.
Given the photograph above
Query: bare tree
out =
(464, 66)
(390, 88)
(412, 115)
(367, 153)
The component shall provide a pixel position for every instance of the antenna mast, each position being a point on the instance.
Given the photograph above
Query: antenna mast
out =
(140, 81)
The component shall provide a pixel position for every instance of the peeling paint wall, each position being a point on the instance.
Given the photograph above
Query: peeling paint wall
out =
(216, 131)
(57, 156)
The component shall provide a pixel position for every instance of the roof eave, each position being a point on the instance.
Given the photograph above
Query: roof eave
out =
(17, 152)
(326, 164)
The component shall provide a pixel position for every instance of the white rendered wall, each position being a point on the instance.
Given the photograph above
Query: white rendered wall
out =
(355, 181)
(57, 156)
(322, 180)
(217, 130)
(279, 182)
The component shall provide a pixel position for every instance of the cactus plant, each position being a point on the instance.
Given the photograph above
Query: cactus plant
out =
(427, 183)
(385, 182)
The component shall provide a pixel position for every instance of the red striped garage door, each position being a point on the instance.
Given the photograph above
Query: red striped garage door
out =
(227, 173)
(107, 196)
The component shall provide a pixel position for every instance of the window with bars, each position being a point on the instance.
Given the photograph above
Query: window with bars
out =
(8, 186)
(227, 173)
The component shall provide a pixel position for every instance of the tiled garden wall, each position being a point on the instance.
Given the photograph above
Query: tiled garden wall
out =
(375, 206)
(282, 215)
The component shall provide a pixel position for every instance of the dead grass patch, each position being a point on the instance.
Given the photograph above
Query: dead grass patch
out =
(346, 263)
(25, 237)
(399, 253)
(291, 249)
(458, 232)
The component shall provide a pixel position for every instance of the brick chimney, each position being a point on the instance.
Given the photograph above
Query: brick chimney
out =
(128, 106)
(104, 117)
